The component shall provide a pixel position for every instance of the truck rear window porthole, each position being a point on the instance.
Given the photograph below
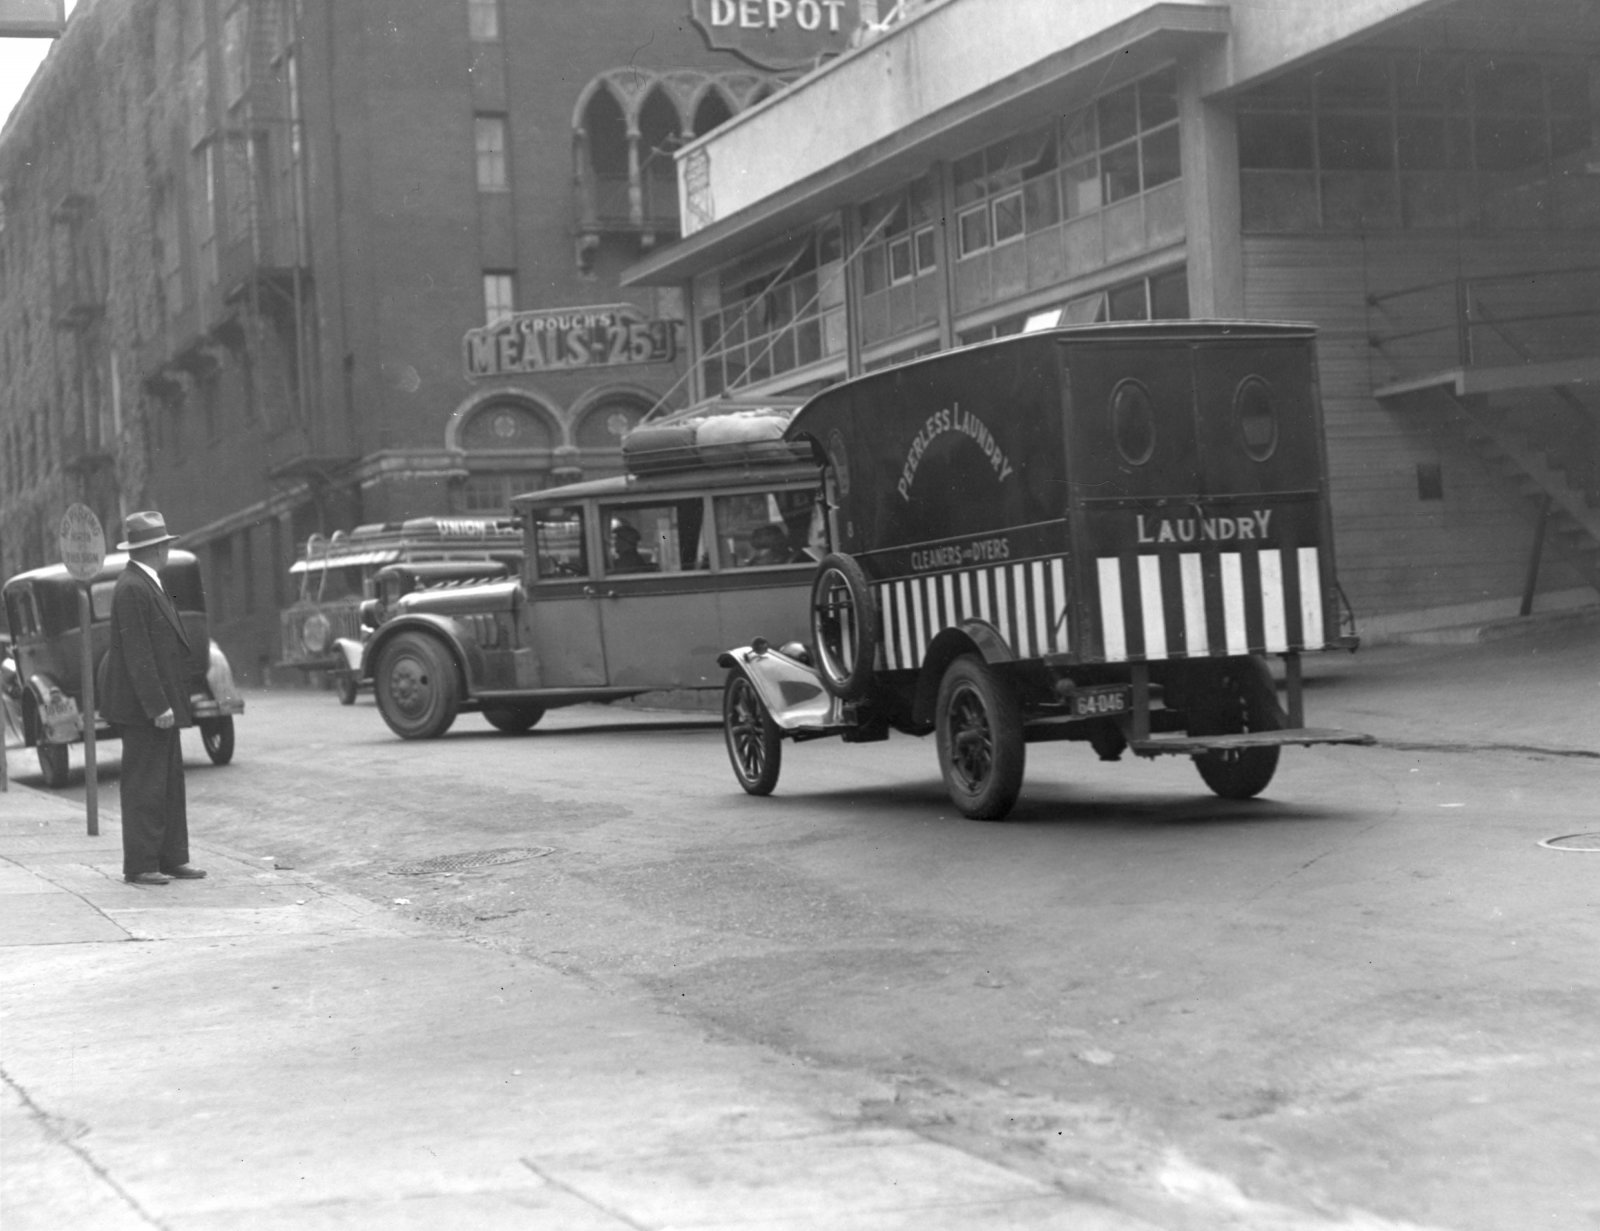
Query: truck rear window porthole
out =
(1257, 416)
(1133, 422)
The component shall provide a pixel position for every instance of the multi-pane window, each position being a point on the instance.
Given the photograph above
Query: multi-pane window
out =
(1101, 185)
(899, 258)
(492, 492)
(489, 136)
(780, 310)
(1163, 296)
(483, 20)
(1421, 139)
(499, 294)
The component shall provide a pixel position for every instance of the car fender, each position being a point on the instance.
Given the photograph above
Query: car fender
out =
(791, 690)
(463, 649)
(351, 651)
(219, 678)
(971, 636)
(42, 687)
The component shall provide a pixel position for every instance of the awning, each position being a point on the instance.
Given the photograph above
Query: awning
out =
(357, 559)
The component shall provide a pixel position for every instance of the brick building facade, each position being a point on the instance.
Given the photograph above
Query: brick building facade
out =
(243, 241)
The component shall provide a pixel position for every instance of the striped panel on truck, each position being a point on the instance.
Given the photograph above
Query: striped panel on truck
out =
(1026, 602)
(1192, 605)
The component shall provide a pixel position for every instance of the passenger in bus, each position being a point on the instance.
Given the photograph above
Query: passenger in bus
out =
(625, 554)
(770, 544)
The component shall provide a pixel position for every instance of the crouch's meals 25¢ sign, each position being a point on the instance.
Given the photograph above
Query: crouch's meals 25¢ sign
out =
(605, 335)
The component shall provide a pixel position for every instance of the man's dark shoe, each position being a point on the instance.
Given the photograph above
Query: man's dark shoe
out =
(186, 873)
(149, 878)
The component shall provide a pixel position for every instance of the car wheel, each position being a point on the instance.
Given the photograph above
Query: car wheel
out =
(755, 746)
(348, 687)
(418, 687)
(55, 763)
(217, 736)
(844, 626)
(1243, 697)
(513, 719)
(979, 733)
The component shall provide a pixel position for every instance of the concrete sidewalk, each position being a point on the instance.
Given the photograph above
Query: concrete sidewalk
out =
(276, 1054)
(256, 1050)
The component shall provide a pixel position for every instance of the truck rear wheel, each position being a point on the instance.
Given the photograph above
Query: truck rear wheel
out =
(755, 747)
(1245, 699)
(418, 688)
(979, 733)
(513, 719)
(844, 626)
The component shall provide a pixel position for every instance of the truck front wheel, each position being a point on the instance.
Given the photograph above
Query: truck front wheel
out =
(418, 687)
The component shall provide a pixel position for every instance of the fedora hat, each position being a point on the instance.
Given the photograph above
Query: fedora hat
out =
(144, 530)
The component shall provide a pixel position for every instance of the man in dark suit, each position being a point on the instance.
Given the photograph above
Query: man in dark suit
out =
(146, 694)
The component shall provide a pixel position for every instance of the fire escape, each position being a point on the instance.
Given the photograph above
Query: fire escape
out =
(1512, 362)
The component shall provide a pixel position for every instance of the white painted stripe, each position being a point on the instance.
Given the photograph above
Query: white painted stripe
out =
(1154, 611)
(967, 608)
(949, 617)
(983, 578)
(1058, 628)
(1311, 599)
(1041, 607)
(1196, 638)
(914, 646)
(1111, 628)
(1233, 622)
(1274, 620)
(1002, 610)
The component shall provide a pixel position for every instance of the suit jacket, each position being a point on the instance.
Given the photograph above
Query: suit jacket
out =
(147, 666)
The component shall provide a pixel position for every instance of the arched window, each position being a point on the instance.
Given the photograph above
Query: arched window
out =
(712, 110)
(606, 132)
(510, 448)
(660, 133)
(601, 428)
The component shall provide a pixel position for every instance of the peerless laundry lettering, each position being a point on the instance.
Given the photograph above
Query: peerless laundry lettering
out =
(951, 419)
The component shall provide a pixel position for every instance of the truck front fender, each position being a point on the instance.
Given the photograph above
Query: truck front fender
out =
(791, 690)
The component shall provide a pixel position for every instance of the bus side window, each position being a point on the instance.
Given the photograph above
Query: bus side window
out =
(558, 544)
(756, 529)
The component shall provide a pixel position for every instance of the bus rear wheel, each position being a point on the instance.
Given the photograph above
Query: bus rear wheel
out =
(979, 734)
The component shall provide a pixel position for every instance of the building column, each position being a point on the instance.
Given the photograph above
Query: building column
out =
(1210, 143)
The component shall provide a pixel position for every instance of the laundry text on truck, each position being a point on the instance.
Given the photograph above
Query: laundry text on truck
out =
(1246, 527)
(951, 419)
(606, 335)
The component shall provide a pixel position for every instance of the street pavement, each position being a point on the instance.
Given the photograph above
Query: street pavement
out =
(258, 1050)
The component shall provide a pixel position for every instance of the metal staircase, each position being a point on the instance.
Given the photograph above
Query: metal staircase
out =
(1523, 391)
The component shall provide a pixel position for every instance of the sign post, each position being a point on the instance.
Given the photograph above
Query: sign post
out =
(83, 551)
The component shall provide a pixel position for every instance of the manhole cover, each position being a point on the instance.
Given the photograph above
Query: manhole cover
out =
(1573, 842)
(471, 859)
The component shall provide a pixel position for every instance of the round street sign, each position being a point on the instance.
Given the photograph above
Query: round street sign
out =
(83, 542)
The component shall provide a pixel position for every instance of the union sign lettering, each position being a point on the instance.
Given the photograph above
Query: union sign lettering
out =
(603, 335)
(777, 34)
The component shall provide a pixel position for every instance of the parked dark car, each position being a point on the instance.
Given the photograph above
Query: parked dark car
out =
(43, 679)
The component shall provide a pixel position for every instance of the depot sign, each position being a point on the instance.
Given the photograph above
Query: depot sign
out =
(603, 335)
(777, 34)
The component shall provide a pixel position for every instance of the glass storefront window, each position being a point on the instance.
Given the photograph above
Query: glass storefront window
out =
(1419, 139)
